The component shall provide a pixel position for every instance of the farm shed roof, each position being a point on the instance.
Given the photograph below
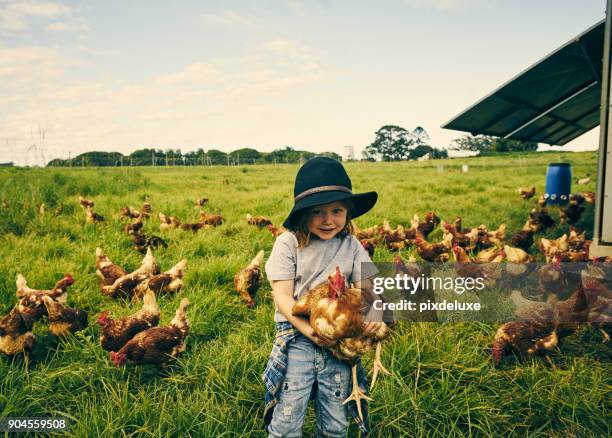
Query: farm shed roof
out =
(553, 101)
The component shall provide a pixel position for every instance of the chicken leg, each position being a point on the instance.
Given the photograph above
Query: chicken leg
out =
(357, 394)
(378, 366)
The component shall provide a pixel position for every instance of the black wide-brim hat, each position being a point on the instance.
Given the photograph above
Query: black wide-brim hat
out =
(323, 180)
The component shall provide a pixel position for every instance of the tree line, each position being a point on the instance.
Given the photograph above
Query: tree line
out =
(199, 157)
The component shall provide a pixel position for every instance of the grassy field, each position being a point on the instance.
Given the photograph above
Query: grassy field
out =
(443, 383)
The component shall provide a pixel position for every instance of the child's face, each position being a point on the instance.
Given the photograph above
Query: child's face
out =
(325, 221)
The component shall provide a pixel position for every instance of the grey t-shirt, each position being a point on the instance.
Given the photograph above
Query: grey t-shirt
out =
(310, 266)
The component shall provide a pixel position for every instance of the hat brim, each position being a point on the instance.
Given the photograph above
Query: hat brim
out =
(362, 203)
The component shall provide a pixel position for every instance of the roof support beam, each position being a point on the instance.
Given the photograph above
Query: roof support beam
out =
(596, 74)
(552, 108)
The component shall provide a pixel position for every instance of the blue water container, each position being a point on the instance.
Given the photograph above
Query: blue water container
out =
(558, 183)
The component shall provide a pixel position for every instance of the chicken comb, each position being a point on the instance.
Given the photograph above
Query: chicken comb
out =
(336, 281)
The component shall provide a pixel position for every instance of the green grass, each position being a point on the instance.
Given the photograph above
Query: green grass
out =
(443, 382)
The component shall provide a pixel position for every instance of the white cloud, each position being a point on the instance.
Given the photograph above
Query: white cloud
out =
(185, 106)
(442, 5)
(78, 26)
(229, 18)
(193, 73)
(20, 16)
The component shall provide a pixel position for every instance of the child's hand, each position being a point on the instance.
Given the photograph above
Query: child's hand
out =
(321, 342)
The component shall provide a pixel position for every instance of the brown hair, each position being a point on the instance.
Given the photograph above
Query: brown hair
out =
(302, 233)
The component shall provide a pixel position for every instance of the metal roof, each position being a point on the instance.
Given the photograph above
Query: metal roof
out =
(553, 101)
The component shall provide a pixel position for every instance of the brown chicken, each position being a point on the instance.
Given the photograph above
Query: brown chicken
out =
(58, 293)
(469, 267)
(156, 345)
(129, 213)
(258, 221)
(523, 239)
(167, 282)
(425, 227)
(348, 350)
(123, 286)
(589, 197)
(458, 238)
(210, 219)
(248, 280)
(367, 233)
(551, 278)
(369, 245)
(539, 220)
(551, 248)
(16, 334)
(167, 222)
(106, 269)
(64, 319)
(134, 227)
(200, 202)
(527, 193)
(86, 203)
(571, 213)
(92, 217)
(432, 252)
(539, 331)
(116, 332)
(334, 309)
(276, 231)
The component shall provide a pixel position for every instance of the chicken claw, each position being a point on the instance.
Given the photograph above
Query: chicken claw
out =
(378, 366)
(357, 394)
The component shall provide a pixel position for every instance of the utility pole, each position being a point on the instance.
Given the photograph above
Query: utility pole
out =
(69, 160)
(121, 160)
(238, 155)
(228, 163)
(153, 157)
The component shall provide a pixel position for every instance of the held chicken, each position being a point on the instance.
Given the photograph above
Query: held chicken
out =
(116, 332)
(248, 280)
(348, 350)
(63, 319)
(16, 334)
(108, 271)
(156, 345)
(334, 309)
(258, 221)
(167, 282)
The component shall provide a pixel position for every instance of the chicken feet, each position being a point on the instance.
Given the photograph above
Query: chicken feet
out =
(357, 394)
(378, 366)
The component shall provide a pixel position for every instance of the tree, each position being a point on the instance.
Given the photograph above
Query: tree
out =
(486, 143)
(245, 155)
(478, 143)
(392, 143)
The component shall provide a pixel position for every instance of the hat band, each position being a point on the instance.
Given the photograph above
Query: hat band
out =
(322, 189)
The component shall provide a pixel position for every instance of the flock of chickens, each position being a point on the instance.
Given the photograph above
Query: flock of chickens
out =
(335, 310)
(135, 338)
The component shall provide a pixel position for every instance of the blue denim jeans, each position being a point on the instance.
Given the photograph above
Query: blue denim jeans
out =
(309, 364)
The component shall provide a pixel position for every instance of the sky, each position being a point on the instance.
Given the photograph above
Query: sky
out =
(314, 75)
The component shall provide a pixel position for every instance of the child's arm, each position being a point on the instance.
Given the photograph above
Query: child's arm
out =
(375, 317)
(282, 292)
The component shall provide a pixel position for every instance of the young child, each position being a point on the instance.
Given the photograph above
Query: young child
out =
(319, 240)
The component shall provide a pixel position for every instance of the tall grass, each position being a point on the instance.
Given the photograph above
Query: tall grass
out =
(443, 382)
